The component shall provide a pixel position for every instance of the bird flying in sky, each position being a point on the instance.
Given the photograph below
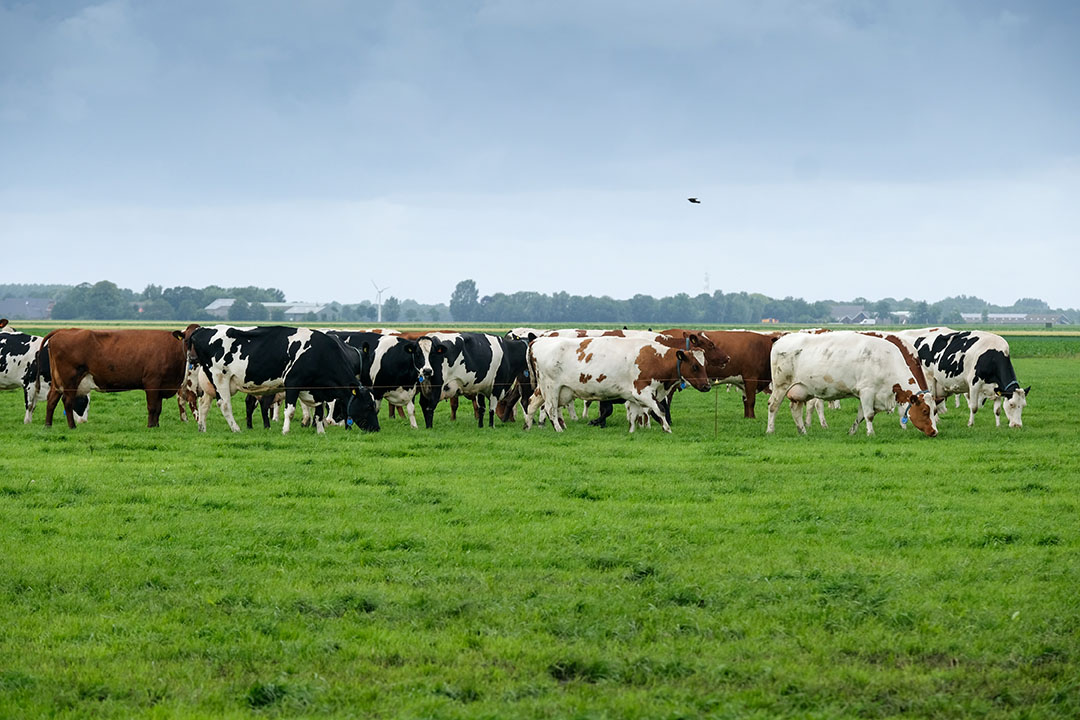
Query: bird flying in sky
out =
(694, 200)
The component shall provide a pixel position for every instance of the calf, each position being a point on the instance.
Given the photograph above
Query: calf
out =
(306, 364)
(847, 364)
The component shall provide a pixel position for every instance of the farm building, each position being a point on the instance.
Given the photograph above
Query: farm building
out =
(995, 318)
(291, 311)
(23, 308)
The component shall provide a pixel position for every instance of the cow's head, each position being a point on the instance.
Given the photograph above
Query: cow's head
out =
(919, 408)
(434, 353)
(1014, 401)
(715, 358)
(4, 325)
(691, 369)
(361, 410)
(184, 336)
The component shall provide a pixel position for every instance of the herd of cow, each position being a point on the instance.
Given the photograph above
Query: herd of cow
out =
(340, 377)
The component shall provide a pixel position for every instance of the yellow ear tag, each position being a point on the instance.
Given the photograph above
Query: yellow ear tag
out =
(353, 392)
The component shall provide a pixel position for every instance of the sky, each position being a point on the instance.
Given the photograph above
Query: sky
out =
(840, 148)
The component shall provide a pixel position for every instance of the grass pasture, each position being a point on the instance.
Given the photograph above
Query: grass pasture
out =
(461, 573)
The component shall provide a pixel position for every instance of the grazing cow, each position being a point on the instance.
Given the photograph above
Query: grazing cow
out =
(19, 368)
(111, 361)
(637, 371)
(393, 366)
(748, 366)
(462, 364)
(308, 365)
(715, 359)
(848, 364)
(974, 363)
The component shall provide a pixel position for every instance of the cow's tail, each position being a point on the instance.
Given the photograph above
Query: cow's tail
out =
(43, 348)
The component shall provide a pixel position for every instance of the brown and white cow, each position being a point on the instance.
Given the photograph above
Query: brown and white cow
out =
(113, 361)
(636, 371)
(848, 364)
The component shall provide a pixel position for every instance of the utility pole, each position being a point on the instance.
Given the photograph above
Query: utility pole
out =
(378, 299)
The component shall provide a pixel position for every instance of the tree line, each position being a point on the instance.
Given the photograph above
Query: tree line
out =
(104, 300)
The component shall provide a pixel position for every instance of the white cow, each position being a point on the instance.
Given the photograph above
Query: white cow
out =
(835, 365)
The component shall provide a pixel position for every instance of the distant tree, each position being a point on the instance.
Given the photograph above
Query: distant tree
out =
(239, 311)
(953, 317)
(391, 309)
(411, 315)
(258, 312)
(277, 315)
(150, 292)
(923, 314)
(464, 302)
(883, 309)
(985, 316)
(157, 309)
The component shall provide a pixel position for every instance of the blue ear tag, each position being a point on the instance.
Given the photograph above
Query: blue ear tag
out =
(191, 366)
(420, 379)
(682, 386)
(348, 422)
(526, 373)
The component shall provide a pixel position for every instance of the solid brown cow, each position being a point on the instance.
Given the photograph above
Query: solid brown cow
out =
(113, 361)
(748, 367)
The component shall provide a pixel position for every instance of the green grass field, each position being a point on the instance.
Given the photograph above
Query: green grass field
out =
(461, 573)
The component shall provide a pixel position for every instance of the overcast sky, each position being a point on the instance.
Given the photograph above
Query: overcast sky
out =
(839, 148)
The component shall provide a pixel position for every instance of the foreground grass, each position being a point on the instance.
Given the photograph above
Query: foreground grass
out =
(498, 573)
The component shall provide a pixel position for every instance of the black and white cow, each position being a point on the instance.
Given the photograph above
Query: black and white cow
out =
(393, 366)
(974, 363)
(462, 364)
(21, 368)
(307, 365)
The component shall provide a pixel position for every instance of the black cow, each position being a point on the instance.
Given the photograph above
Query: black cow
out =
(461, 364)
(306, 364)
(393, 366)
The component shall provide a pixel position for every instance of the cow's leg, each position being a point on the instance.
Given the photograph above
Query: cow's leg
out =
(392, 409)
(479, 409)
(153, 408)
(50, 404)
(183, 411)
(866, 410)
(204, 410)
(69, 406)
(428, 408)
(797, 415)
(650, 405)
(292, 397)
(410, 410)
(606, 408)
(225, 405)
(956, 403)
(250, 401)
(535, 401)
(453, 407)
(749, 397)
(973, 402)
(775, 400)
(318, 413)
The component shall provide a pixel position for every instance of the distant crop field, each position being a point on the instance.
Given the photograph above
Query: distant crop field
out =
(463, 573)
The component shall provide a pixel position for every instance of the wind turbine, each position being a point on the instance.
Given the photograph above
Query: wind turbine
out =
(378, 299)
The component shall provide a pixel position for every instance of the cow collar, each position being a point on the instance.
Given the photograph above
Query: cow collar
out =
(1005, 389)
(678, 371)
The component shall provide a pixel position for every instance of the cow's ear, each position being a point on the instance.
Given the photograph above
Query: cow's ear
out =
(1027, 390)
(3, 322)
(365, 348)
(532, 336)
(693, 338)
(681, 355)
(178, 334)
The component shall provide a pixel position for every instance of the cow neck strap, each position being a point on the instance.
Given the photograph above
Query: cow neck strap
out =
(1006, 388)
(678, 371)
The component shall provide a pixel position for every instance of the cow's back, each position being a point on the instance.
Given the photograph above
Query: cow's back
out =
(119, 359)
